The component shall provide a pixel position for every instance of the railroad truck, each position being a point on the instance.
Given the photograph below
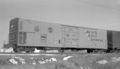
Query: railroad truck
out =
(28, 35)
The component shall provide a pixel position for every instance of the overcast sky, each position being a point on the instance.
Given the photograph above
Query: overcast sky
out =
(103, 14)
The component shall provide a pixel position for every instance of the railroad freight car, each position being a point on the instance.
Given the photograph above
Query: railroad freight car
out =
(114, 40)
(26, 35)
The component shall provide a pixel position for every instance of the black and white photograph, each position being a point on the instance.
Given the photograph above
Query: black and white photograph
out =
(59, 34)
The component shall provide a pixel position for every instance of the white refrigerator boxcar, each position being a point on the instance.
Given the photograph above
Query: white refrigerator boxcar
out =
(33, 33)
(37, 33)
(81, 37)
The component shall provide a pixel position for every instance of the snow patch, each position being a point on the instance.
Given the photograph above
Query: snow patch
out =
(102, 62)
(66, 58)
(13, 61)
(115, 59)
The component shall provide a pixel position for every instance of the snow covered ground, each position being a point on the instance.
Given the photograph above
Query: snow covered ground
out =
(60, 61)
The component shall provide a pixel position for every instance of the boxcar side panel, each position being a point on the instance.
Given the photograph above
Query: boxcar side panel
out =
(51, 33)
(92, 38)
(81, 37)
(26, 25)
(116, 39)
(34, 33)
(40, 33)
(70, 36)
